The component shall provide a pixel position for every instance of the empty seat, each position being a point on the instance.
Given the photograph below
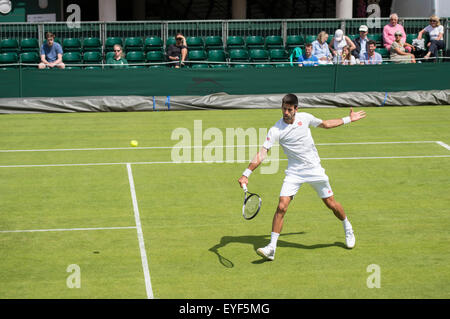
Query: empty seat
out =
(259, 55)
(92, 57)
(109, 55)
(197, 56)
(155, 57)
(217, 56)
(9, 45)
(133, 44)
(110, 42)
(135, 57)
(254, 42)
(293, 41)
(274, 42)
(239, 55)
(92, 44)
(71, 45)
(199, 66)
(170, 41)
(8, 58)
(71, 59)
(310, 38)
(378, 38)
(241, 66)
(263, 65)
(384, 52)
(279, 55)
(213, 43)
(235, 42)
(29, 58)
(153, 44)
(29, 45)
(195, 43)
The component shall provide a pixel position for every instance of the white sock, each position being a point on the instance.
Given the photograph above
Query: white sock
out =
(274, 239)
(346, 224)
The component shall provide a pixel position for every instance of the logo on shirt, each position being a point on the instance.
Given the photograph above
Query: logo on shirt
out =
(300, 123)
(268, 138)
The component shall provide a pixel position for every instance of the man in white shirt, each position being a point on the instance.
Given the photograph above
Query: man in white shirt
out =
(292, 132)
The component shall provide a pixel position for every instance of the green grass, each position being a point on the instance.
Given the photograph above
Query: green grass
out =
(197, 243)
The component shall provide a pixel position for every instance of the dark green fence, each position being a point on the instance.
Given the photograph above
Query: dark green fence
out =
(17, 83)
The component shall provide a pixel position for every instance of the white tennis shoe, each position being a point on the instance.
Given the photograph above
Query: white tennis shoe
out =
(267, 252)
(350, 238)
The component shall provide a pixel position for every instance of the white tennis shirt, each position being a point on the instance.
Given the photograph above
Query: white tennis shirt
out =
(296, 141)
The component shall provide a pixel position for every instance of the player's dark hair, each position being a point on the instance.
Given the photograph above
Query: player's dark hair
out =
(372, 42)
(290, 99)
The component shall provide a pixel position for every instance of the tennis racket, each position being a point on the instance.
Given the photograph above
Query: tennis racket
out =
(252, 204)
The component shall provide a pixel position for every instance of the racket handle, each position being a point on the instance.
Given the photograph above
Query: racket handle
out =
(244, 186)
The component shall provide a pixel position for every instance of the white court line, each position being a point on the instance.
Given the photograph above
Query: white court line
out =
(443, 145)
(219, 162)
(63, 229)
(148, 284)
(197, 146)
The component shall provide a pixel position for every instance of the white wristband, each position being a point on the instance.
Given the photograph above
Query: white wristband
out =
(247, 172)
(346, 119)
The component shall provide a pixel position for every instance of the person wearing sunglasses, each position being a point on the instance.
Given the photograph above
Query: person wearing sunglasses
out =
(436, 32)
(178, 51)
(398, 50)
(118, 59)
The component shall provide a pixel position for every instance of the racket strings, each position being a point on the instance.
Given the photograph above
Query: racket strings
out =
(251, 206)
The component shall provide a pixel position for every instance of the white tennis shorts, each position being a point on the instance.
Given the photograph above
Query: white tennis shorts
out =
(315, 177)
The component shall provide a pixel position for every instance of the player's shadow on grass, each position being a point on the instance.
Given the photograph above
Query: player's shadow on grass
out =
(261, 241)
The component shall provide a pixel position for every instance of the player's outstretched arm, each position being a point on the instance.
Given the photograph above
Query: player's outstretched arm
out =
(354, 116)
(256, 161)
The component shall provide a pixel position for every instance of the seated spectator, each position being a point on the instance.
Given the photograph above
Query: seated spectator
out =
(398, 52)
(178, 51)
(338, 43)
(390, 29)
(371, 57)
(118, 60)
(320, 48)
(51, 53)
(307, 59)
(347, 57)
(361, 42)
(436, 32)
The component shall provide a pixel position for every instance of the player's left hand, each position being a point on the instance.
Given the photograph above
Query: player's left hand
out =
(355, 116)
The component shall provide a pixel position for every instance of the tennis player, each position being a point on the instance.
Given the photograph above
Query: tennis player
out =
(293, 133)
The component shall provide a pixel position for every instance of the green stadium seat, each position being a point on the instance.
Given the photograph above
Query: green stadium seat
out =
(29, 58)
(278, 55)
(274, 42)
(134, 57)
(71, 45)
(241, 66)
(217, 56)
(92, 57)
(218, 66)
(92, 44)
(155, 57)
(353, 36)
(293, 41)
(282, 65)
(111, 42)
(199, 66)
(213, 43)
(310, 38)
(263, 65)
(254, 42)
(133, 44)
(239, 55)
(29, 45)
(8, 58)
(195, 43)
(109, 55)
(9, 45)
(258, 55)
(384, 52)
(235, 42)
(70, 58)
(170, 41)
(197, 56)
(153, 44)
(410, 37)
(377, 37)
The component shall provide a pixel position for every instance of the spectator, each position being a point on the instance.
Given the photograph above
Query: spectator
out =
(361, 42)
(390, 29)
(51, 53)
(308, 59)
(320, 48)
(371, 57)
(436, 32)
(118, 60)
(338, 43)
(347, 57)
(178, 51)
(398, 52)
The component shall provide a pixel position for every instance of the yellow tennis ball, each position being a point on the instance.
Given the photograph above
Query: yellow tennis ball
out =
(134, 143)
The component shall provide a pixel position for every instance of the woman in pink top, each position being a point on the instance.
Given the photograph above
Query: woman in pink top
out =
(390, 29)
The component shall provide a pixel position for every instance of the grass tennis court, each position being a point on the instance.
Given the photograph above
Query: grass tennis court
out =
(55, 212)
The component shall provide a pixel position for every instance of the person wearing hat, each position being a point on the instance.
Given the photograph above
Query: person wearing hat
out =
(338, 43)
(398, 50)
(361, 42)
